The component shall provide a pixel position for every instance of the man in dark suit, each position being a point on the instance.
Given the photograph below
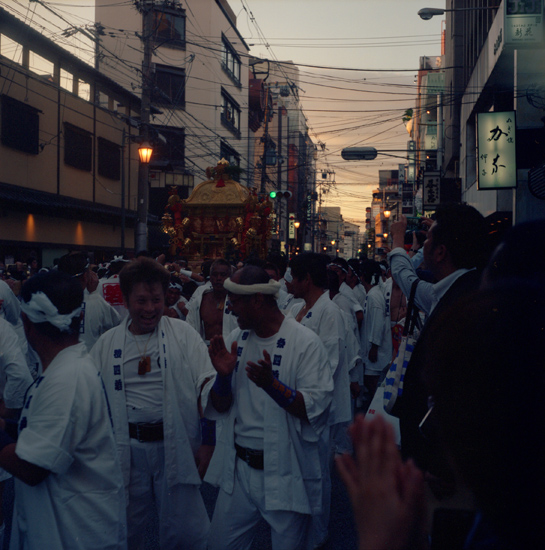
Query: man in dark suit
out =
(455, 251)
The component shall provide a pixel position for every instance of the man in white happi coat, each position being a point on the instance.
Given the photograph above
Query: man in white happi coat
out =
(97, 315)
(15, 379)
(340, 266)
(325, 319)
(274, 385)
(157, 375)
(10, 310)
(208, 311)
(377, 335)
(68, 487)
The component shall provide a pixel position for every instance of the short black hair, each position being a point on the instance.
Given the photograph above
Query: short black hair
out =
(74, 263)
(313, 264)
(525, 240)
(142, 270)
(462, 229)
(371, 272)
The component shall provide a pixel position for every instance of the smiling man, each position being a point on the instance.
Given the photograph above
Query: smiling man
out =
(157, 374)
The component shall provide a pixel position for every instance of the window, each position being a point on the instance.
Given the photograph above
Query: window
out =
(78, 147)
(169, 86)
(109, 159)
(20, 126)
(230, 113)
(169, 28)
(169, 154)
(230, 61)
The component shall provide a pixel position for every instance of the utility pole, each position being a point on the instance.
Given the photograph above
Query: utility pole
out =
(265, 144)
(141, 229)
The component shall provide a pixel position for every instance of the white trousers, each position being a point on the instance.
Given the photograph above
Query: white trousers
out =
(183, 521)
(320, 522)
(236, 517)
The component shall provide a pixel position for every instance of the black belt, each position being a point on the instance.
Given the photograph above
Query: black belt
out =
(252, 457)
(146, 431)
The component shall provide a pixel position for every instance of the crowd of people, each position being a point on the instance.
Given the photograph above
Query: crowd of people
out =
(125, 385)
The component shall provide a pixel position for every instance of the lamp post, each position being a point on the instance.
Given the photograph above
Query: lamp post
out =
(297, 225)
(141, 228)
(428, 13)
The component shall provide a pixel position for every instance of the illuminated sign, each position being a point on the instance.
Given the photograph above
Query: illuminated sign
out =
(523, 21)
(497, 150)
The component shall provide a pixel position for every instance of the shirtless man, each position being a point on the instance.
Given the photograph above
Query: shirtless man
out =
(208, 313)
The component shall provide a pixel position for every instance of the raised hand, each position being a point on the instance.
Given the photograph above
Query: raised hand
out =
(260, 373)
(224, 361)
(387, 495)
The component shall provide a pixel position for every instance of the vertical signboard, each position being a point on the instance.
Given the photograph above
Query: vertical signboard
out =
(408, 187)
(523, 21)
(400, 179)
(291, 227)
(432, 182)
(497, 150)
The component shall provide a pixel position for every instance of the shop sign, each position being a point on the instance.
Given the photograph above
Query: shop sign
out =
(497, 150)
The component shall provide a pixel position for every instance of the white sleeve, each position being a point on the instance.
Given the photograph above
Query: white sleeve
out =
(14, 367)
(404, 275)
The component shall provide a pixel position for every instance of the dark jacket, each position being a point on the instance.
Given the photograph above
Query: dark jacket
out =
(414, 404)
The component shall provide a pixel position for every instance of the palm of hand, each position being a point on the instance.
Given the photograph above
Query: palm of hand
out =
(223, 361)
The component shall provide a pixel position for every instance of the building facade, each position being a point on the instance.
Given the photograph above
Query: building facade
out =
(197, 81)
(69, 165)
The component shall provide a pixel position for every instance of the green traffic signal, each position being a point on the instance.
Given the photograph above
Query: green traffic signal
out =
(273, 194)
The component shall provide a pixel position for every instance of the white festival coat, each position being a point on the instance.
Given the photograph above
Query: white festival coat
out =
(66, 429)
(292, 471)
(185, 366)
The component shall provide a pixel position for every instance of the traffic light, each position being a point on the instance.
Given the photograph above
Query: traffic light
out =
(280, 194)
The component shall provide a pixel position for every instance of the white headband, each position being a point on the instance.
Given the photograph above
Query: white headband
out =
(272, 287)
(40, 309)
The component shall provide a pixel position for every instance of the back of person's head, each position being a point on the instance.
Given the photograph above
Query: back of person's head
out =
(205, 268)
(371, 272)
(520, 255)
(273, 269)
(341, 262)
(74, 264)
(253, 275)
(63, 292)
(354, 266)
(313, 264)
(255, 260)
(462, 229)
(333, 282)
(142, 270)
(116, 265)
(485, 372)
(279, 260)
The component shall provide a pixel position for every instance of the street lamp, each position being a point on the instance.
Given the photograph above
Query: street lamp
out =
(387, 213)
(428, 13)
(144, 152)
(296, 225)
